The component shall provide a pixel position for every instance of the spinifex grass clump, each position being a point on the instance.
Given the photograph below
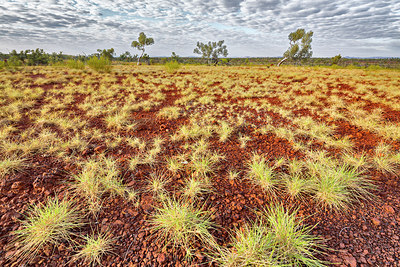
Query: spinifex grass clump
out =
(277, 238)
(203, 164)
(9, 165)
(181, 224)
(224, 131)
(385, 160)
(337, 185)
(94, 249)
(261, 174)
(196, 186)
(99, 176)
(156, 184)
(46, 224)
(295, 184)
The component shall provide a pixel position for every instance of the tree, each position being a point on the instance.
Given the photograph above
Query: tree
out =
(107, 53)
(300, 46)
(127, 57)
(141, 43)
(335, 60)
(175, 57)
(211, 51)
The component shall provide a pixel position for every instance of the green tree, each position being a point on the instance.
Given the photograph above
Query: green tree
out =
(175, 57)
(335, 60)
(299, 46)
(127, 57)
(107, 53)
(211, 51)
(141, 43)
(36, 57)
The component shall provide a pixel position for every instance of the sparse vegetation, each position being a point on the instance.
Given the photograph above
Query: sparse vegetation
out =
(197, 155)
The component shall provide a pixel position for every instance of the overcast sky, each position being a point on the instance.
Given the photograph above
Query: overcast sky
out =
(362, 28)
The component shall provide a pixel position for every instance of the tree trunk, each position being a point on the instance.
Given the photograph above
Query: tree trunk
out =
(138, 61)
(282, 61)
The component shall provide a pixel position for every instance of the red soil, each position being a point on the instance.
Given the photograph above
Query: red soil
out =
(367, 235)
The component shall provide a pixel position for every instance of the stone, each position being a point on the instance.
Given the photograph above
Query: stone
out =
(161, 258)
(349, 260)
(388, 209)
(375, 221)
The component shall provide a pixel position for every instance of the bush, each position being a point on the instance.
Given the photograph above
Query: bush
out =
(14, 62)
(99, 64)
(2, 64)
(172, 66)
(75, 64)
(335, 60)
(374, 67)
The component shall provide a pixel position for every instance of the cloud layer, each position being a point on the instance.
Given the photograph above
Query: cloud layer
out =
(249, 27)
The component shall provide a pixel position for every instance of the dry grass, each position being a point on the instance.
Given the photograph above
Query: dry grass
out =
(46, 224)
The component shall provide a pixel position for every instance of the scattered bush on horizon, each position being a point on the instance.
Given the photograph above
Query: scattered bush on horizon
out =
(13, 62)
(101, 64)
(172, 66)
(335, 60)
(75, 64)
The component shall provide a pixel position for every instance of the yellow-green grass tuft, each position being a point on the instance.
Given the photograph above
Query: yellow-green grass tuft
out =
(46, 224)
(181, 225)
(94, 249)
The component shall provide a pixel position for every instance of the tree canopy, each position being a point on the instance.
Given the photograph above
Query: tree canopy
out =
(299, 46)
(107, 53)
(211, 51)
(141, 43)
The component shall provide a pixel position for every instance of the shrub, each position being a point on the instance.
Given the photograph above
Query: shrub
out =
(172, 66)
(99, 64)
(75, 64)
(14, 62)
(374, 67)
(335, 60)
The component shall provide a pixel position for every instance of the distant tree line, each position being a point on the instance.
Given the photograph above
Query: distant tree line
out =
(299, 51)
(32, 57)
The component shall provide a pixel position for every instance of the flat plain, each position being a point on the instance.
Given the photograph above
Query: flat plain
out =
(221, 166)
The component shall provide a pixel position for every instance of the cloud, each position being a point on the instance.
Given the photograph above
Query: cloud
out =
(249, 27)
